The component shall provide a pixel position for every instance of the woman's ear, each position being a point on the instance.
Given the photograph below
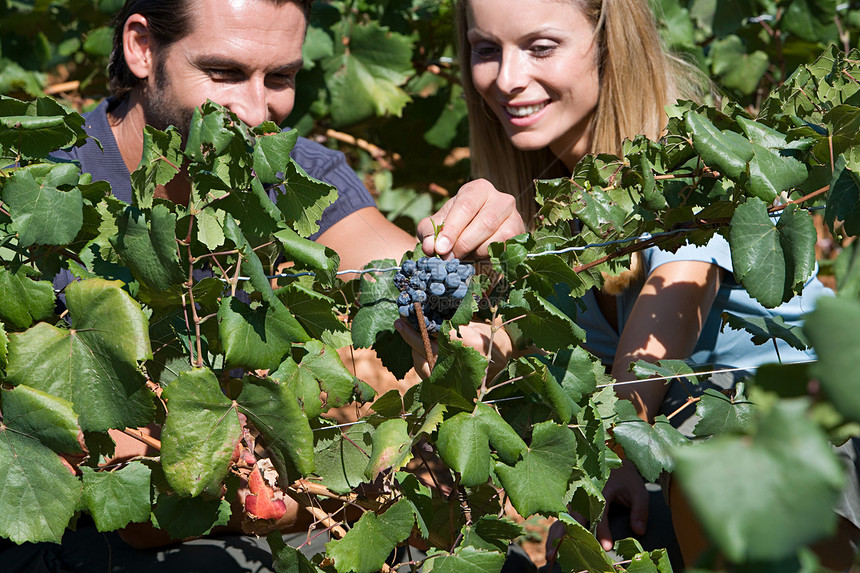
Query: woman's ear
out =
(138, 46)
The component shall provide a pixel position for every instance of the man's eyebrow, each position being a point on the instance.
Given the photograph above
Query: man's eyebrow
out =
(225, 62)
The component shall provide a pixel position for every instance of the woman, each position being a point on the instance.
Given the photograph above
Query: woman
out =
(547, 82)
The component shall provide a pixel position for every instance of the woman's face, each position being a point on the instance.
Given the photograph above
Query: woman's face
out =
(535, 64)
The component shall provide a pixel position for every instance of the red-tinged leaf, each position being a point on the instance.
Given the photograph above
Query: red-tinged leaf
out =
(261, 502)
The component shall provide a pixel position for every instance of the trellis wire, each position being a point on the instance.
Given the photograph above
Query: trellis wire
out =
(750, 369)
(638, 238)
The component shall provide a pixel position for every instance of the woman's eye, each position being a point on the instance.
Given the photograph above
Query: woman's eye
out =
(542, 50)
(484, 51)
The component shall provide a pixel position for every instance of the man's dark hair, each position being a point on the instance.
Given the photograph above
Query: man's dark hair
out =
(169, 21)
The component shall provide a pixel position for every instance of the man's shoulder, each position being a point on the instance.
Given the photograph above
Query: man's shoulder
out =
(97, 127)
(308, 152)
(100, 155)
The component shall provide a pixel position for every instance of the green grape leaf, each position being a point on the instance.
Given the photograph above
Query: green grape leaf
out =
(365, 74)
(94, 364)
(25, 300)
(49, 419)
(798, 237)
(464, 440)
(641, 561)
(392, 447)
(42, 212)
(146, 243)
(302, 199)
(341, 460)
(377, 307)
(257, 337)
(275, 412)
(726, 151)
(317, 314)
(667, 369)
(366, 546)
(321, 369)
(200, 433)
(649, 447)
(321, 259)
(812, 20)
(771, 174)
(598, 211)
(498, 530)
(764, 329)
(847, 271)
(272, 152)
(162, 158)
(594, 457)
(334, 378)
(736, 66)
(183, 517)
(578, 372)
(545, 271)
(456, 376)
(541, 321)
(421, 498)
(211, 131)
(723, 414)
(466, 560)
(117, 498)
(843, 199)
(832, 330)
(38, 493)
(757, 255)
(579, 550)
(539, 481)
(532, 376)
(37, 128)
(785, 477)
(210, 227)
(251, 264)
(287, 559)
(4, 346)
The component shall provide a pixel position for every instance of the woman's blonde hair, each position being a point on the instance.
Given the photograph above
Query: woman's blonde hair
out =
(638, 78)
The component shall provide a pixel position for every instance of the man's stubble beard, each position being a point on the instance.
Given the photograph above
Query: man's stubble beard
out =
(160, 109)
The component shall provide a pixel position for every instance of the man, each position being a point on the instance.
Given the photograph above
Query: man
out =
(171, 56)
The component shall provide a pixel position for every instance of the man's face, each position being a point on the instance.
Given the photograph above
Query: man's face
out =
(242, 54)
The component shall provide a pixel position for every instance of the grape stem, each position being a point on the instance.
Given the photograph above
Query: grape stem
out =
(428, 350)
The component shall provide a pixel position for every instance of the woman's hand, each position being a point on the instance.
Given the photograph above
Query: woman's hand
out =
(475, 334)
(626, 487)
(479, 214)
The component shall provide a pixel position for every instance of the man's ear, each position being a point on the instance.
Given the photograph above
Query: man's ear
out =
(138, 46)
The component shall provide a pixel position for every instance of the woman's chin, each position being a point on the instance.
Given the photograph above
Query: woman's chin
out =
(528, 142)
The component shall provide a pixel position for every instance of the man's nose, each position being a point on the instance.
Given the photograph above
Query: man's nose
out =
(251, 103)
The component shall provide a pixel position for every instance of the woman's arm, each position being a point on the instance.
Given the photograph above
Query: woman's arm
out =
(665, 323)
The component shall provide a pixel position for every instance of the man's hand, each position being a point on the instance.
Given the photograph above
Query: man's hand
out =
(479, 214)
(625, 486)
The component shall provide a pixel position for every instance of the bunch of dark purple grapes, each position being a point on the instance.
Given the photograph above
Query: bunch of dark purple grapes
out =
(438, 285)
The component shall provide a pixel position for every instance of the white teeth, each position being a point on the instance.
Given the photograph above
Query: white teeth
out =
(524, 110)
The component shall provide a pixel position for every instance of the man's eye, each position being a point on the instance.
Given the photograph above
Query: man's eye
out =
(282, 80)
(219, 74)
